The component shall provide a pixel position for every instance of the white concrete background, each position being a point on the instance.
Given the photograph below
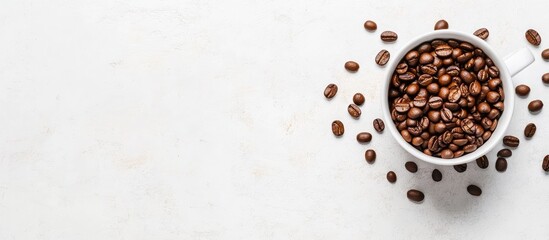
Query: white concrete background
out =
(206, 120)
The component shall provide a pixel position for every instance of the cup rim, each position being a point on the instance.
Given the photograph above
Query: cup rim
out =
(503, 121)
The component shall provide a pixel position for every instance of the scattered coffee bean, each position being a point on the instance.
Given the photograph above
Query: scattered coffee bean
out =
(482, 33)
(330, 90)
(364, 137)
(511, 141)
(533, 37)
(460, 168)
(545, 163)
(545, 54)
(379, 125)
(337, 128)
(501, 165)
(389, 36)
(535, 106)
(436, 175)
(474, 190)
(441, 24)
(415, 195)
(411, 167)
(530, 130)
(370, 25)
(545, 78)
(354, 110)
(505, 153)
(482, 162)
(391, 177)
(522, 90)
(352, 66)
(382, 57)
(370, 156)
(358, 98)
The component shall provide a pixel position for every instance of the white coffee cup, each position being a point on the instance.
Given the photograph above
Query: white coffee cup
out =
(508, 67)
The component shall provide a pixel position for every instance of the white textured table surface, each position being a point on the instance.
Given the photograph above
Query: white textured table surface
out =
(206, 120)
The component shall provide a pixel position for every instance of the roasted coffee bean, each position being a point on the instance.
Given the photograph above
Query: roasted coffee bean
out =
(425, 47)
(460, 168)
(535, 106)
(511, 141)
(501, 165)
(415, 113)
(493, 71)
(330, 91)
(474, 190)
(391, 177)
(545, 163)
(468, 47)
(482, 162)
(505, 153)
(351, 66)
(545, 54)
(406, 135)
(483, 75)
(382, 57)
(412, 58)
(389, 36)
(408, 76)
(354, 110)
(482, 33)
(379, 125)
(402, 68)
(426, 58)
(469, 148)
(370, 25)
(370, 156)
(358, 98)
(364, 137)
(415, 195)
(522, 90)
(337, 128)
(411, 167)
(436, 175)
(443, 51)
(545, 78)
(530, 130)
(446, 154)
(441, 24)
(533, 37)
(492, 97)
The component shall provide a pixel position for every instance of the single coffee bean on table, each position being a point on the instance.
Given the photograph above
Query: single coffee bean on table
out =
(391, 177)
(382, 57)
(354, 110)
(370, 25)
(511, 141)
(532, 36)
(505, 153)
(545, 78)
(411, 167)
(370, 156)
(545, 163)
(530, 130)
(358, 98)
(337, 128)
(460, 168)
(379, 125)
(388, 36)
(441, 24)
(482, 162)
(330, 91)
(501, 164)
(482, 33)
(545, 54)
(415, 195)
(436, 175)
(522, 90)
(364, 137)
(352, 66)
(474, 190)
(535, 106)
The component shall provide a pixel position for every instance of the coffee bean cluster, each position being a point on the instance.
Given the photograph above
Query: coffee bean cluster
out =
(446, 98)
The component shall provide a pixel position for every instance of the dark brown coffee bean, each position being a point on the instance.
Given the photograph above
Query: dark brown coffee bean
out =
(441, 24)
(460, 168)
(412, 58)
(465, 57)
(492, 97)
(479, 64)
(354, 110)
(443, 51)
(364, 137)
(370, 156)
(493, 71)
(330, 91)
(466, 76)
(415, 113)
(530, 130)
(469, 148)
(412, 89)
(391, 177)
(482, 75)
(482, 162)
(505, 153)
(436, 175)
(411, 167)
(389, 36)
(370, 25)
(379, 125)
(402, 68)
(482, 33)
(545, 54)
(447, 154)
(426, 58)
(337, 128)
(533, 37)
(501, 165)
(454, 95)
(415, 195)
(545, 163)
(351, 66)
(511, 141)
(474, 190)
(522, 90)
(545, 78)
(406, 135)
(382, 57)
(358, 98)
(468, 47)
(446, 114)
(535, 106)
(408, 76)
(433, 88)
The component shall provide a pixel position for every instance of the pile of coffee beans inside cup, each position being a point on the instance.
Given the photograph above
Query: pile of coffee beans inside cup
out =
(445, 98)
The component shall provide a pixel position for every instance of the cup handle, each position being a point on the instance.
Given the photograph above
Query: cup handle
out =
(518, 60)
